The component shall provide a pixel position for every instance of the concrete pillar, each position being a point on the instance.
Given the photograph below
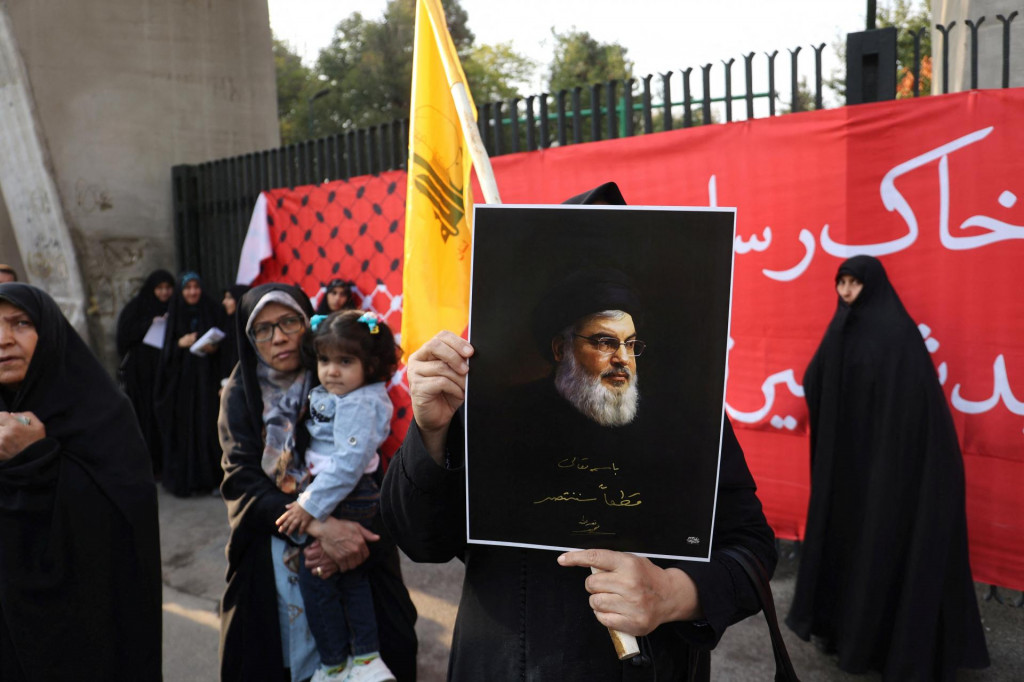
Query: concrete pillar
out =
(124, 90)
(990, 43)
(34, 206)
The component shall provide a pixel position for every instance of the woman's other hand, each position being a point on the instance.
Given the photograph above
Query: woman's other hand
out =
(342, 541)
(187, 340)
(18, 430)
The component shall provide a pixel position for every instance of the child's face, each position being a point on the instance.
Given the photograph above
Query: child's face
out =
(336, 298)
(340, 373)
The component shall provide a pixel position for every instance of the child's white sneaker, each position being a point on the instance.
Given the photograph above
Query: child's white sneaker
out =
(372, 670)
(338, 674)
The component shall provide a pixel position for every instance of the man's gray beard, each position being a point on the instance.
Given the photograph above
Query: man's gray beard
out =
(590, 396)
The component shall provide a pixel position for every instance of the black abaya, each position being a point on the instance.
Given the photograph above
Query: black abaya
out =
(884, 578)
(229, 346)
(80, 589)
(186, 400)
(140, 362)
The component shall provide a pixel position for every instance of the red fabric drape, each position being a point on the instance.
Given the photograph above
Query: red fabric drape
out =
(932, 186)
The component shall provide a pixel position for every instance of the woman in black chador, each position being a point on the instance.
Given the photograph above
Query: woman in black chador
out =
(229, 346)
(141, 362)
(80, 587)
(884, 580)
(186, 393)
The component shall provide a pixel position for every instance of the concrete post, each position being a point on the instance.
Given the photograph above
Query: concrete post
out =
(990, 43)
(33, 203)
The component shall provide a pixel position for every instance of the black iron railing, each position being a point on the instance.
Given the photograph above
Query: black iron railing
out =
(213, 201)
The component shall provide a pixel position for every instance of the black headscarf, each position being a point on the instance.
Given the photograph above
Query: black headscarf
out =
(587, 290)
(138, 313)
(349, 304)
(608, 193)
(248, 358)
(229, 346)
(79, 540)
(581, 293)
(184, 318)
(884, 576)
(71, 393)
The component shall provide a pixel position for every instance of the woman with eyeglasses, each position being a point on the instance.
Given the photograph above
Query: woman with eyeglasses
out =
(264, 634)
(186, 392)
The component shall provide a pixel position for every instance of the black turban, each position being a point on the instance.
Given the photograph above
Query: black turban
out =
(608, 193)
(582, 293)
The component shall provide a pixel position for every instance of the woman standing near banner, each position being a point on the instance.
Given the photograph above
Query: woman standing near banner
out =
(884, 579)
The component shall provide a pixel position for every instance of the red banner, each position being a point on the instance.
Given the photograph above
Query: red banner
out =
(932, 186)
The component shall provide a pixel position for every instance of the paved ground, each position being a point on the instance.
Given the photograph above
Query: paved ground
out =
(194, 531)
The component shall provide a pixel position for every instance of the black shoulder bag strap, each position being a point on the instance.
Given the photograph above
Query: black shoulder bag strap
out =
(755, 570)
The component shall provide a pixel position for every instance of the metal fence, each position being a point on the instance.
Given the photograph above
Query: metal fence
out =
(213, 201)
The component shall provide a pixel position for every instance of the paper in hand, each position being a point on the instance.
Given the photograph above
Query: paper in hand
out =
(155, 334)
(212, 335)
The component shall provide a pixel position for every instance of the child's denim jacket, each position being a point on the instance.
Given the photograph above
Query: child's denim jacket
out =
(345, 433)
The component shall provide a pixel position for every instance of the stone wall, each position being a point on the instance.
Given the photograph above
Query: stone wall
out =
(123, 90)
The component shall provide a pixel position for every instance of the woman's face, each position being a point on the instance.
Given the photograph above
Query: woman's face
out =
(163, 291)
(191, 292)
(336, 298)
(18, 340)
(848, 287)
(229, 303)
(281, 350)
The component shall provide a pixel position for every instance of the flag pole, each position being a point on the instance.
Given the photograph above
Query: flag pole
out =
(477, 151)
(464, 108)
(625, 645)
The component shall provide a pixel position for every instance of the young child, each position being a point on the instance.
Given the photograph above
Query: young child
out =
(350, 414)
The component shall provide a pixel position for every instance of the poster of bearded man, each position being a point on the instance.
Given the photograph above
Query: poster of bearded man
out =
(595, 399)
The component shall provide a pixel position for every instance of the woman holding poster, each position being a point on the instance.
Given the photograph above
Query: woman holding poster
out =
(884, 579)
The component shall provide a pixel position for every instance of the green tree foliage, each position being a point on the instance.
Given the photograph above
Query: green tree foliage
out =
(495, 72)
(293, 81)
(579, 59)
(367, 72)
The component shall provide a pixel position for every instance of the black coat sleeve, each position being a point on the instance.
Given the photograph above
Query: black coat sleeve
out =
(726, 593)
(423, 505)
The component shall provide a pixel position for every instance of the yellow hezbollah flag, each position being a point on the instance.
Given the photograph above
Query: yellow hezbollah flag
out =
(439, 202)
